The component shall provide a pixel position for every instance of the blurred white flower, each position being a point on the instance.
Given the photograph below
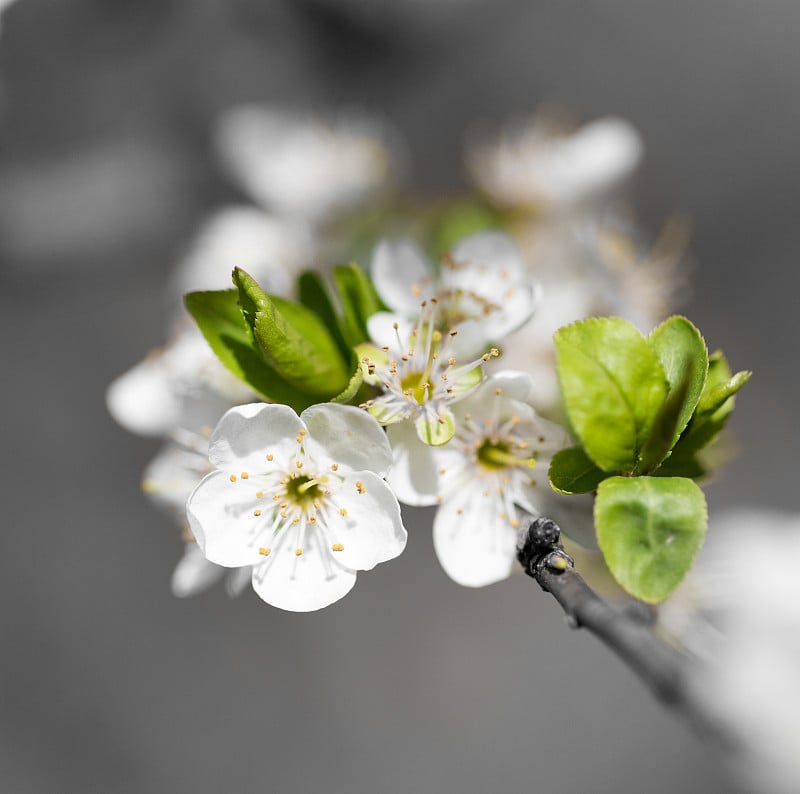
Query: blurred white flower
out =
(539, 163)
(481, 288)
(272, 250)
(417, 373)
(178, 386)
(299, 499)
(591, 267)
(738, 612)
(168, 481)
(293, 163)
(495, 464)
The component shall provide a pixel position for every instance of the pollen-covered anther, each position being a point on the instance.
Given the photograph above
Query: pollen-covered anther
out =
(312, 519)
(334, 466)
(360, 487)
(453, 332)
(299, 464)
(342, 511)
(337, 547)
(233, 478)
(259, 494)
(264, 552)
(296, 520)
(439, 499)
(442, 471)
(514, 523)
(270, 457)
(298, 552)
(256, 512)
(498, 392)
(244, 475)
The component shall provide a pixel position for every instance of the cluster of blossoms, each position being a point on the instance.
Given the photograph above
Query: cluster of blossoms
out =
(456, 355)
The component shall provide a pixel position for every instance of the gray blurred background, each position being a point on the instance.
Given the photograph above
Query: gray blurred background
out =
(411, 684)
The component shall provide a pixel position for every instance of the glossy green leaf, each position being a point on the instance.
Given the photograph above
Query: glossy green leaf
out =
(649, 530)
(713, 409)
(314, 294)
(683, 354)
(359, 301)
(572, 471)
(294, 341)
(613, 387)
(220, 320)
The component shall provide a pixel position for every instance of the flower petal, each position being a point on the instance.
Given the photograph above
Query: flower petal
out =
(143, 400)
(485, 255)
(474, 545)
(172, 475)
(248, 432)
(221, 519)
(194, 573)
(401, 275)
(372, 530)
(302, 583)
(414, 476)
(346, 435)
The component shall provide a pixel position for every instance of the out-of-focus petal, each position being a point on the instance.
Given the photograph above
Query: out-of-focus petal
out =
(194, 573)
(401, 275)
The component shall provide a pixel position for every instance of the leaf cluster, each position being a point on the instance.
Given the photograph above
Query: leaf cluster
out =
(643, 409)
(295, 353)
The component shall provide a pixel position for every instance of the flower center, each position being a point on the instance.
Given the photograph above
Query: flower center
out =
(416, 386)
(304, 491)
(495, 455)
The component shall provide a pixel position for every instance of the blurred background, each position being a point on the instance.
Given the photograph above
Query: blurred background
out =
(411, 683)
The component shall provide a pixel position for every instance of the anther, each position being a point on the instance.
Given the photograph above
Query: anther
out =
(334, 466)
(233, 478)
(343, 511)
(270, 457)
(299, 464)
(244, 475)
(256, 512)
(264, 552)
(360, 487)
(298, 552)
(337, 547)
(259, 494)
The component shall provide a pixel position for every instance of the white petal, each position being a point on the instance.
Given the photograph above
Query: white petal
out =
(173, 474)
(401, 275)
(237, 579)
(305, 583)
(372, 531)
(346, 435)
(248, 432)
(496, 252)
(269, 248)
(414, 476)
(383, 333)
(143, 401)
(475, 547)
(194, 573)
(220, 514)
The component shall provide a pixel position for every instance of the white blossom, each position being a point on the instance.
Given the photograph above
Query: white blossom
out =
(738, 613)
(481, 287)
(494, 467)
(271, 249)
(540, 163)
(418, 376)
(301, 499)
(294, 163)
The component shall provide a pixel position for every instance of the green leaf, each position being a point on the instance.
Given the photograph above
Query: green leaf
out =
(572, 471)
(294, 341)
(219, 317)
(713, 409)
(716, 397)
(359, 301)
(356, 381)
(314, 294)
(683, 354)
(649, 530)
(613, 386)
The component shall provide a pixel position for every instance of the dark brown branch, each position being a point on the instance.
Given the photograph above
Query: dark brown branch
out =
(626, 632)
